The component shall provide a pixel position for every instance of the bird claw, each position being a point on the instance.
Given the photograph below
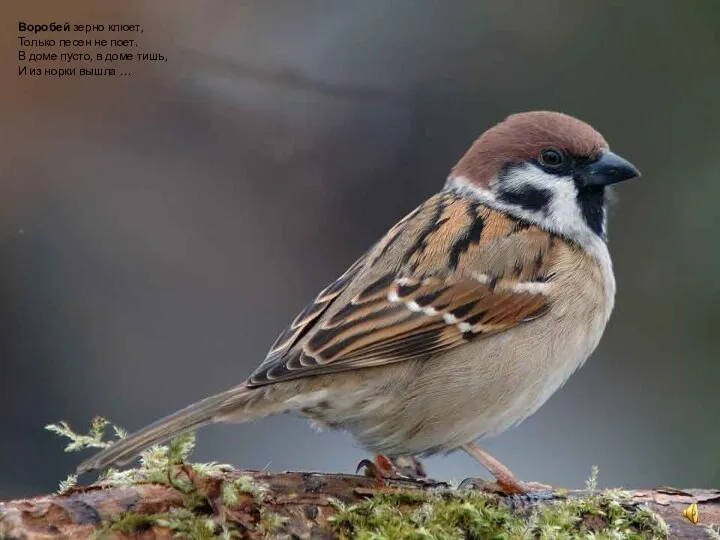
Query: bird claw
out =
(368, 467)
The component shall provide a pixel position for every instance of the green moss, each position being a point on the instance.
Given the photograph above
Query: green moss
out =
(270, 522)
(181, 522)
(403, 515)
(231, 491)
(195, 518)
(458, 515)
(131, 522)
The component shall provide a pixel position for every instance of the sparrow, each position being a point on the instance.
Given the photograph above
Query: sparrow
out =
(461, 321)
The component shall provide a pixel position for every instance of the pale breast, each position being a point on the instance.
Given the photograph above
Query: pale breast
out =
(492, 384)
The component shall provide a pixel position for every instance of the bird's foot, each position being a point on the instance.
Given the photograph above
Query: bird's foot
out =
(399, 468)
(506, 482)
(510, 486)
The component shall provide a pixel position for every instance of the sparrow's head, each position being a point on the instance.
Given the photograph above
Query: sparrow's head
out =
(545, 167)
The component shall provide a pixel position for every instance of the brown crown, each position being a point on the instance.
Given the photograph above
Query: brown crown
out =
(523, 136)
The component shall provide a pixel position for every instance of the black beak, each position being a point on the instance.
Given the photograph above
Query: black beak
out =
(609, 169)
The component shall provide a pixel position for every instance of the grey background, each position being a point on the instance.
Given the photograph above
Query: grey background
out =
(158, 230)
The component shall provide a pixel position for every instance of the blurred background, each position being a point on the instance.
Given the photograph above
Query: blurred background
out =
(158, 230)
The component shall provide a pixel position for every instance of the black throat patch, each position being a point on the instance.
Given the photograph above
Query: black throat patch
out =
(591, 201)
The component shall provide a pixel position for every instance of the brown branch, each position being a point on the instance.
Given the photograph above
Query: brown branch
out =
(289, 505)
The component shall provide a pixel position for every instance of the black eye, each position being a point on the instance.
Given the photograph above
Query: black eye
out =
(552, 158)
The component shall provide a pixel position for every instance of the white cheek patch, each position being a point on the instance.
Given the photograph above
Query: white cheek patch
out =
(562, 207)
(518, 178)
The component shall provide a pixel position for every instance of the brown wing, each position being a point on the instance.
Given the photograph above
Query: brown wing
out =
(397, 319)
(427, 300)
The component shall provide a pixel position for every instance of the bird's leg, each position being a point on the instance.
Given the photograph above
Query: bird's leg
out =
(506, 480)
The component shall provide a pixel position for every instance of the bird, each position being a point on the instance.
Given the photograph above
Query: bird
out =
(461, 321)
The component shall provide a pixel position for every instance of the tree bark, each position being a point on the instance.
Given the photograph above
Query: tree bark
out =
(289, 505)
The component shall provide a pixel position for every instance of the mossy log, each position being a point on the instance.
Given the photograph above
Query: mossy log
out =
(314, 505)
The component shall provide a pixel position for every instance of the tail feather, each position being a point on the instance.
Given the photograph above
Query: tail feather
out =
(201, 413)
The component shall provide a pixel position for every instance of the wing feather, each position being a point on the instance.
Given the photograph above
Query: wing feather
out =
(403, 318)
(424, 298)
